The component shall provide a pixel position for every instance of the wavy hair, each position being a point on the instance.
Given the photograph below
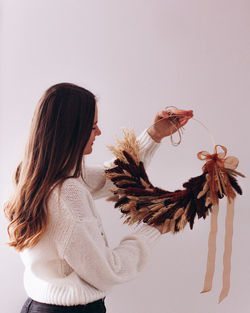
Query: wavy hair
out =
(60, 129)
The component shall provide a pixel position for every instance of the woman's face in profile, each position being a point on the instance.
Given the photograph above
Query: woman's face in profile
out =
(95, 132)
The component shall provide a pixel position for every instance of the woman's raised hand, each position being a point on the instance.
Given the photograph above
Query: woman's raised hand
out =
(164, 125)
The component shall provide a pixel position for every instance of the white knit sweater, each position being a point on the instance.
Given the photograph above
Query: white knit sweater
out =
(72, 263)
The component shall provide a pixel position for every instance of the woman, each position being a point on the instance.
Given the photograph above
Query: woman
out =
(69, 266)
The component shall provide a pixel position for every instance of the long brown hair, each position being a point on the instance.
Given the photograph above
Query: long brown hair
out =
(60, 129)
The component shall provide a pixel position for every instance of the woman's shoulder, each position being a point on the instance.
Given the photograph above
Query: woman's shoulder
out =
(73, 187)
(72, 198)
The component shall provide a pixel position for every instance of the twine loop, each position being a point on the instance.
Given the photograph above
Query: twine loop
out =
(173, 118)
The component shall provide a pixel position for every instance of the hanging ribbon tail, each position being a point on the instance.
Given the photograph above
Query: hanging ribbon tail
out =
(211, 250)
(227, 250)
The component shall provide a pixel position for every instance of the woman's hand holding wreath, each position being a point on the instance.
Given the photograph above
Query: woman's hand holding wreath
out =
(168, 122)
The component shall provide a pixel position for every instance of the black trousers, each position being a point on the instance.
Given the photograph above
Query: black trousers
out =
(32, 306)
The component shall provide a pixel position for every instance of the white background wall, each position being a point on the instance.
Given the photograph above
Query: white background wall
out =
(137, 57)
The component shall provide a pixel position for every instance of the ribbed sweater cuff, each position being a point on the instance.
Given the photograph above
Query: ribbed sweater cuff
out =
(147, 145)
(151, 233)
(145, 140)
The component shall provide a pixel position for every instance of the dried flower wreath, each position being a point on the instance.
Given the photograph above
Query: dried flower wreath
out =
(140, 201)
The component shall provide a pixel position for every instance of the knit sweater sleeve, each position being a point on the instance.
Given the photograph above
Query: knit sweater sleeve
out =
(96, 181)
(86, 251)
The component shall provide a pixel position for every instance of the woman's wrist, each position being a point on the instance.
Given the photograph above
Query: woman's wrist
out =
(153, 135)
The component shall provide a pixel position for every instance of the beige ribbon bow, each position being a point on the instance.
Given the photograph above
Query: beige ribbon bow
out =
(216, 166)
(230, 162)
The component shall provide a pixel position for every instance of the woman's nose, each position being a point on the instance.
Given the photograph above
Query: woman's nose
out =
(98, 131)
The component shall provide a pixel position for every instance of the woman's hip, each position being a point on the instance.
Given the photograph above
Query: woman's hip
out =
(32, 306)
